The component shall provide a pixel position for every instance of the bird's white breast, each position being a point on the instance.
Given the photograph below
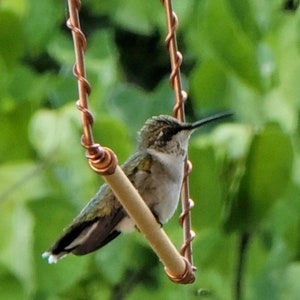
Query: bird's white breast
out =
(168, 184)
(160, 188)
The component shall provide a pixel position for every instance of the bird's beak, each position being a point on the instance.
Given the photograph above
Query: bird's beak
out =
(208, 120)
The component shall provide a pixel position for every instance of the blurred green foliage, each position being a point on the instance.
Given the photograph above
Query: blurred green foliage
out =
(242, 56)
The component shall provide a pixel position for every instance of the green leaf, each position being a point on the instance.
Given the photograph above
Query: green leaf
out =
(46, 26)
(267, 279)
(137, 16)
(51, 216)
(244, 14)
(283, 220)
(290, 287)
(227, 44)
(22, 181)
(134, 106)
(11, 37)
(105, 128)
(208, 83)
(10, 287)
(268, 170)
(17, 6)
(55, 134)
(214, 266)
(205, 187)
(16, 252)
(50, 130)
(218, 161)
(11, 115)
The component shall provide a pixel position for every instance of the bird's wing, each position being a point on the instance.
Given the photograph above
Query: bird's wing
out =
(138, 166)
(91, 229)
(95, 225)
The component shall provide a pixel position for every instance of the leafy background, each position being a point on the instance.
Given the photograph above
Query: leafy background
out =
(241, 56)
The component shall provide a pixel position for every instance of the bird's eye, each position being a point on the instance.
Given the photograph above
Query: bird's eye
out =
(169, 132)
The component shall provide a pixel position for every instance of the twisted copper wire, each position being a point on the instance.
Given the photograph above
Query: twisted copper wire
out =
(178, 112)
(102, 160)
(186, 277)
(176, 60)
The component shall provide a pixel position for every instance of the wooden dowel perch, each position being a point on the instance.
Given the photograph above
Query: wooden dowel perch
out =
(176, 266)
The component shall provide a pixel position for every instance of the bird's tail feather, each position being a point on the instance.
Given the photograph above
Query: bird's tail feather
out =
(84, 237)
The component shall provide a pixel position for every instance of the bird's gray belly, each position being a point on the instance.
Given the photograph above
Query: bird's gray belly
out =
(162, 200)
(160, 189)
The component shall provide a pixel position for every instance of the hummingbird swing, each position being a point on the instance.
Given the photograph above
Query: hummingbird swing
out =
(178, 266)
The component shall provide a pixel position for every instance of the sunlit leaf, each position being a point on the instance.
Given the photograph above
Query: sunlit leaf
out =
(290, 288)
(22, 181)
(16, 253)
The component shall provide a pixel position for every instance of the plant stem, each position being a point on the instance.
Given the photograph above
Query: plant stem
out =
(239, 273)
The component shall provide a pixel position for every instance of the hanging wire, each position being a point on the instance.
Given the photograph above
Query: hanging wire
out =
(178, 112)
(104, 162)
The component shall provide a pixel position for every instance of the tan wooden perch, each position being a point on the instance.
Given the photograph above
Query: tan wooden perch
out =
(177, 267)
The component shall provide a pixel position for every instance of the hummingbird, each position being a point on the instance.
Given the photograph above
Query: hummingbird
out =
(156, 171)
